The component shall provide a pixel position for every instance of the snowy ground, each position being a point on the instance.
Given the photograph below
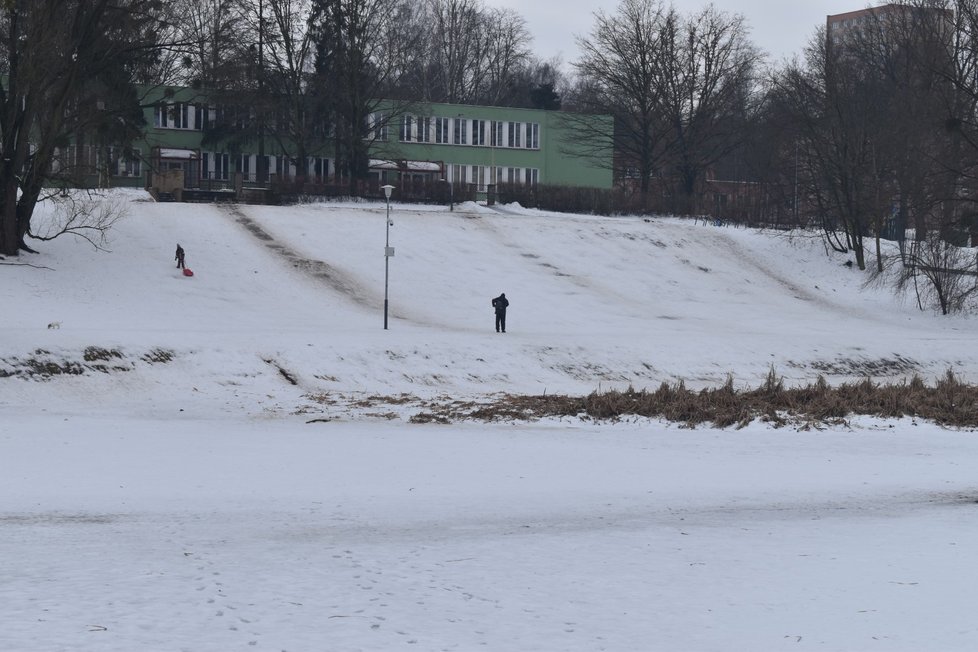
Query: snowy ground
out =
(233, 466)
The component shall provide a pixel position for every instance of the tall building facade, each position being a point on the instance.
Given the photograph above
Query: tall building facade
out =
(843, 30)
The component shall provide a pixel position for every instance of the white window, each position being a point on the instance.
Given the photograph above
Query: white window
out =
(379, 125)
(201, 115)
(179, 116)
(222, 167)
(129, 164)
(514, 133)
(461, 131)
(478, 132)
(319, 167)
(496, 134)
(172, 116)
(246, 167)
(441, 130)
(243, 117)
(424, 130)
(532, 135)
(458, 173)
(479, 176)
(85, 159)
(406, 128)
(286, 167)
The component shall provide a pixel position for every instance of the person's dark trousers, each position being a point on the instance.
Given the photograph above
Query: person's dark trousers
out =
(500, 321)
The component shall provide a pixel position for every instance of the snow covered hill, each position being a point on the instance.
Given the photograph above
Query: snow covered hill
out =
(288, 302)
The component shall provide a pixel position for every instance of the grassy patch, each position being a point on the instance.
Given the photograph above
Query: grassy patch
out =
(49, 368)
(43, 365)
(96, 356)
(948, 402)
(158, 356)
(94, 353)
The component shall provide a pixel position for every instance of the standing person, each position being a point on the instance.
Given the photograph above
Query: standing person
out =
(179, 256)
(500, 303)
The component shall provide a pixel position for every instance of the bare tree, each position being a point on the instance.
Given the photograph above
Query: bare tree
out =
(679, 89)
(456, 46)
(290, 56)
(79, 213)
(464, 53)
(358, 44)
(70, 68)
(213, 37)
(836, 108)
(929, 60)
(505, 55)
(950, 28)
(707, 69)
(619, 74)
(876, 115)
(940, 274)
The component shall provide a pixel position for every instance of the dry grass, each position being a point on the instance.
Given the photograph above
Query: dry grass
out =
(43, 365)
(948, 402)
(158, 356)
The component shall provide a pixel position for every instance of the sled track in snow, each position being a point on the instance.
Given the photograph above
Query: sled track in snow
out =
(315, 269)
(318, 270)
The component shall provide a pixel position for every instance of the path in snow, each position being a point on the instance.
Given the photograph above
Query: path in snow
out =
(336, 279)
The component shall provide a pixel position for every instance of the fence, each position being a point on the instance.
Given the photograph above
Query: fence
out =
(747, 204)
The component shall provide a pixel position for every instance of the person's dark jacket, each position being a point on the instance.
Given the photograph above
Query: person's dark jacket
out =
(500, 303)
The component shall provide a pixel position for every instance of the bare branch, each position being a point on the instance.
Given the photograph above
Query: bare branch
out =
(82, 215)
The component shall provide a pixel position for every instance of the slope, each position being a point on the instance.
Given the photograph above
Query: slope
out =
(287, 304)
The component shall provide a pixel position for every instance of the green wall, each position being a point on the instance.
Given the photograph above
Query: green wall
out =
(559, 158)
(553, 159)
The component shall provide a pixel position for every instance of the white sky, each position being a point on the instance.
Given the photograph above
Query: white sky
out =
(779, 27)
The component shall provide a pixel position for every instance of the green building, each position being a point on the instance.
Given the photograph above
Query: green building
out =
(485, 145)
(475, 147)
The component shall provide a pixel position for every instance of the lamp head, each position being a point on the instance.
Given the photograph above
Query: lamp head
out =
(387, 190)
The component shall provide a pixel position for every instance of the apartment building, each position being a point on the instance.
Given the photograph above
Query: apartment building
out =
(473, 146)
(482, 146)
(842, 30)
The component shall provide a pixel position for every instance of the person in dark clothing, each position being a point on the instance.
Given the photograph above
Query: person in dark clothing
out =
(179, 256)
(500, 303)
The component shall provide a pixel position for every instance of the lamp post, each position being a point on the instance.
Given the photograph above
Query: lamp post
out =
(451, 194)
(388, 250)
(795, 200)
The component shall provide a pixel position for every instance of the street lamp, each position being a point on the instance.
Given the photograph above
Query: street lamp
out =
(388, 249)
(451, 194)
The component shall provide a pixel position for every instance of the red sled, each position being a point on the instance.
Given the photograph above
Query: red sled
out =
(187, 271)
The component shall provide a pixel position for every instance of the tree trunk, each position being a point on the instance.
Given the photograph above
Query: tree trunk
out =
(9, 238)
(859, 249)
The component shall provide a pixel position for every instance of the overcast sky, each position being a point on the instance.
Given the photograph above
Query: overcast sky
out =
(780, 27)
